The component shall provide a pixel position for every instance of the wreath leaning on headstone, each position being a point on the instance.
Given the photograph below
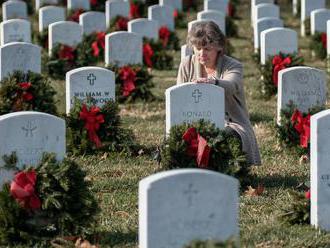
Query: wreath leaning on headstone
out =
(155, 56)
(62, 59)
(270, 70)
(202, 145)
(27, 91)
(294, 129)
(319, 44)
(298, 211)
(53, 199)
(133, 82)
(91, 129)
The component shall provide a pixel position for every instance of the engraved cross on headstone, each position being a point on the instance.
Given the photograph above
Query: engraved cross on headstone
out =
(91, 78)
(29, 129)
(190, 192)
(196, 95)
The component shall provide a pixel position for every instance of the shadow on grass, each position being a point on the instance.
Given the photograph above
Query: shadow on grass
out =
(110, 239)
(260, 117)
(278, 181)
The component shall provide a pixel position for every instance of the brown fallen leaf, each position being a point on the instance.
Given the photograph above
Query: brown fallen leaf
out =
(304, 159)
(122, 213)
(254, 192)
(80, 243)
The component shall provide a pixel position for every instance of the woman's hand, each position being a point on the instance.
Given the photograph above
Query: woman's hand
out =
(205, 81)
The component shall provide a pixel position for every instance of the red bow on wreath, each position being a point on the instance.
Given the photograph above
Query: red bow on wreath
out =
(302, 126)
(230, 9)
(93, 2)
(279, 64)
(324, 40)
(75, 15)
(175, 13)
(100, 42)
(147, 54)
(164, 35)
(66, 52)
(22, 188)
(128, 76)
(134, 11)
(25, 86)
(121, 24)
(92, 120)
(197, 147)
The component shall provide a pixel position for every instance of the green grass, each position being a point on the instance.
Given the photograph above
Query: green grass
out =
(115, 177)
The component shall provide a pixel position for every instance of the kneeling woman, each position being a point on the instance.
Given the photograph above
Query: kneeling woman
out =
(210, 65)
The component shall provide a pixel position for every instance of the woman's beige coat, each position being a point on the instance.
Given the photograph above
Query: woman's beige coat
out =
(230, 77)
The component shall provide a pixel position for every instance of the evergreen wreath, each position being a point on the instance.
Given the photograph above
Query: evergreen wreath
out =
(155, 56)
(118, 23)
(293, 130)
(225, 153)
(41, 38)
(180, 19)
(211, 244)
(270, 70)
(168, 39)
(133, 82)
(73, 15)
(91, 129)
(231, 27)
(191, 5)
(97, 5)
(319, 45)
(62, 60)
(298, 212)
(27, 91)
(58, 202)
(91, 50)
(138, 9)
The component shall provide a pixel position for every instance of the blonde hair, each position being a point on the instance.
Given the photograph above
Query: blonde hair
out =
(206, 33)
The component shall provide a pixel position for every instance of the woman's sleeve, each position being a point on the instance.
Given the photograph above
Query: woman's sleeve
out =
(232, 80)
(183, 74)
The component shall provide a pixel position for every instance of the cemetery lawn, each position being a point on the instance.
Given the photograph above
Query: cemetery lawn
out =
(115, 177)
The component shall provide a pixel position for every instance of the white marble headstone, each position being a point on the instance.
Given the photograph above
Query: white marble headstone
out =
(328, 37)
(30, 134)
(15, 30)
(123, 48)
(162, 14)
(78, 4)
(219, 5)
(266, 10)
(49, 15)
(276, 40)
(19, 56)
(14, 9)
(256, 2)
(92, 21)
(320, 170)
(264, 24)
(218, 17)
(178, 206)
(176, 4)
(191, 102)
(319, 20)
(144, 27)
(192, 23)
(294, 7)
(186, 51)
(64, 32)
(307, 6)
(41, 3)
(114, 8)
(91, 81)
(304, 86)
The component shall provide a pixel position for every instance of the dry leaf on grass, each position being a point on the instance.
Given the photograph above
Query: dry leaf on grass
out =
(254, 192)
(304, 159)
(80, 243)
